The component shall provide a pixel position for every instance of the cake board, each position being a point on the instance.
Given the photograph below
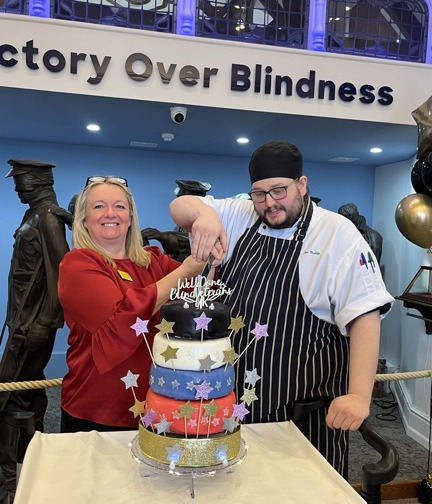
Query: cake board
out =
(152, 466)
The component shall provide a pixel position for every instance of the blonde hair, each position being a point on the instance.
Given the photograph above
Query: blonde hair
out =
(82, 239)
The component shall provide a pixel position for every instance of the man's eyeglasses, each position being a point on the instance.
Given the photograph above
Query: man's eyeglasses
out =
(100, 179)
(277, 193)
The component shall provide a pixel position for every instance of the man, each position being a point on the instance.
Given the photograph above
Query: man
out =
(33, 312)
(301, 272)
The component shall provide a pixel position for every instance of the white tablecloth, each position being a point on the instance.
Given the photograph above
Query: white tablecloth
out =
(281, 466)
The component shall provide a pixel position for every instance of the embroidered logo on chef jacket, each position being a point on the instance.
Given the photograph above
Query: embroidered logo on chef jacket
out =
(125, 275)
(370, 260)
(368, 267)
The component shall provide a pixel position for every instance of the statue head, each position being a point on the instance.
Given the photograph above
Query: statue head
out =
(350, 211)
(192, 187)
(30, 176)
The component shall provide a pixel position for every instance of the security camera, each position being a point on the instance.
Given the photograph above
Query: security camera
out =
(178, 114)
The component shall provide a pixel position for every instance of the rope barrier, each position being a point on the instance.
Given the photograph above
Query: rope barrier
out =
(27, 385)
(56, 382)
(404, 376)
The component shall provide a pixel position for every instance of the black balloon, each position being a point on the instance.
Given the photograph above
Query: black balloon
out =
(426, 175)
(423, 117)
(416, 179)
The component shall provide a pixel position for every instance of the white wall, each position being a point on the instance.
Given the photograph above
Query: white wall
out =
(404, 343)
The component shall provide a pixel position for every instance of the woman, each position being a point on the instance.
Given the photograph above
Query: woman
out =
(106, 283)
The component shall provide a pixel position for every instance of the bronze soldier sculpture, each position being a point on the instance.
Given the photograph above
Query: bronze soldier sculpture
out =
(372, 237)
(176, 243)
(33, 311)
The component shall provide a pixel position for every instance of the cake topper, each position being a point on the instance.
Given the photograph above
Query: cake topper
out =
(199, 291)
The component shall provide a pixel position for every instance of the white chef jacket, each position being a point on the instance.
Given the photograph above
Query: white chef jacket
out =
(340, 278)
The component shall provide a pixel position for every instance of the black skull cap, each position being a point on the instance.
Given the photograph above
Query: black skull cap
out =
(276, 159)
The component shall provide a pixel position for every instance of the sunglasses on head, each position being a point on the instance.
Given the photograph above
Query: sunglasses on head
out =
(100, 179)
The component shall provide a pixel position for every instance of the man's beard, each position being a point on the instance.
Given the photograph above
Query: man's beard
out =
(292, 215)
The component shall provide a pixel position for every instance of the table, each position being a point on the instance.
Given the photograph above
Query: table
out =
(97, 467)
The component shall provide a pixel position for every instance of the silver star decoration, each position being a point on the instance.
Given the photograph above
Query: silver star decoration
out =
(252, 377)
(175, 384)
(161, 381)
(163, 426)
(206, 364)
(130, 379)
(218, 385)
(229, 424)
(190, 385)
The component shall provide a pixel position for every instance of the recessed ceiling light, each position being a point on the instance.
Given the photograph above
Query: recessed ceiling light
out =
(375, 150)
(242, 140)
(93, 127)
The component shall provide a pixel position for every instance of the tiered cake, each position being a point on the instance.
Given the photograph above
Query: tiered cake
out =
(191, 416)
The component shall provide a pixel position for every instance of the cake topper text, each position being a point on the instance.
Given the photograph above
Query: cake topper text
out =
(199, 291)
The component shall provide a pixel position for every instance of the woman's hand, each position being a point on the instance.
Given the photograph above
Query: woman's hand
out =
(191, 267)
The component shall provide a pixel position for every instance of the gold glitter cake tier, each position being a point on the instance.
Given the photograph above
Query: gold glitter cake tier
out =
(189, 452)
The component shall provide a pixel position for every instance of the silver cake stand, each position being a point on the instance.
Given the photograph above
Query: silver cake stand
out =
(154, 467)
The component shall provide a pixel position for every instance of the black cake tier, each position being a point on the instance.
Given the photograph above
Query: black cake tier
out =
(185, 325)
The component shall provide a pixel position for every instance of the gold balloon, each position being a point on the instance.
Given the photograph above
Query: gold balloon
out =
(414, 219)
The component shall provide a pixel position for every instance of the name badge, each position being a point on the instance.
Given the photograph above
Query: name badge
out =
(125, 275)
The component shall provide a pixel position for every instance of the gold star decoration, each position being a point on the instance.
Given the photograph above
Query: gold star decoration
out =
(211, 408)
(186, 411)
(249, 396)
(229, 355)
(169, 353)
(165, 327)
(138, 407)
(236, 324)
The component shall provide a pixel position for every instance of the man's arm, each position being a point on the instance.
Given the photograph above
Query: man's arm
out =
(348, 412)
(209, 236)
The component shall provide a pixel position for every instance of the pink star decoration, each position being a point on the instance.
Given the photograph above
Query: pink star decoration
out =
(149, 417)
(240, 411)
(202, 321)
(203, 390)
(140, 326)
(260, 331)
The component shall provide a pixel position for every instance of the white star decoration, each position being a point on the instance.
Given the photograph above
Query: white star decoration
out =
(130, 379)
(163, 426)
(252, 377)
